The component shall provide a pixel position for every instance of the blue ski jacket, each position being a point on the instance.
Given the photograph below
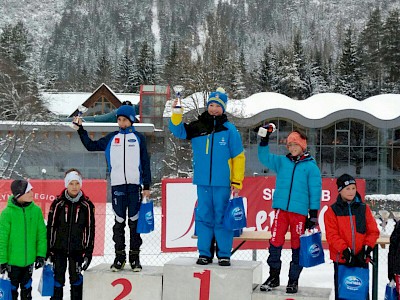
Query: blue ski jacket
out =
(298, 182)
(126, 154)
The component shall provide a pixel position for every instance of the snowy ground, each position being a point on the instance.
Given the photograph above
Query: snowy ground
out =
(319, 276)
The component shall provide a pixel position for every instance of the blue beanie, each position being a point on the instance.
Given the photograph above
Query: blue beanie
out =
(219, 97)
(128, 111)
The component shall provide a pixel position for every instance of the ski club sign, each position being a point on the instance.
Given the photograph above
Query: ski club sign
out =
(179, 199)
(45, 191)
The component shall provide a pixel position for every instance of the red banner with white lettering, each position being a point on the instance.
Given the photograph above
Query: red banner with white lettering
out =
(45, 191)
(179, 198)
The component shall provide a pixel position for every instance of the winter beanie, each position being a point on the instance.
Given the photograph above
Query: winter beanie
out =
(344, 181)
(219, 97)
(128, 111)
(72, 176)
(295, 137)
(20, 187)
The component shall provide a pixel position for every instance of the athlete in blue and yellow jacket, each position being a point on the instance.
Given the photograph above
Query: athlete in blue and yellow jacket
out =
(218, 164)
(129, 167)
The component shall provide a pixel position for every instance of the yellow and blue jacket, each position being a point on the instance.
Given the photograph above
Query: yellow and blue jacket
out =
(218, 155)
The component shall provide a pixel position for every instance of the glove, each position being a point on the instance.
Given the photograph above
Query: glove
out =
(312, 220)
(348, 256)
(87, 258)
(4, 268)
(364, 256)
(265, 131)
(39, 262)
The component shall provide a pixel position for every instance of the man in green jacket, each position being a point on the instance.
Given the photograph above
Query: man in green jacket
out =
(23, 241)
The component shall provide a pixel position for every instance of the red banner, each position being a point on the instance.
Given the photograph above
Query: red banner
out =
(45, 191)
(179, 198)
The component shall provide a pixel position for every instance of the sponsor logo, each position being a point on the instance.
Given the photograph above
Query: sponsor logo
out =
(222, 142)
(149, 217)
(314, 250)
(116, 193)
(116, 140)
(237, 214)
(353, 283)
(132, 140)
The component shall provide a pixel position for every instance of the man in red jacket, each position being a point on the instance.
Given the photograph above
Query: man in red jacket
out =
(351, 230)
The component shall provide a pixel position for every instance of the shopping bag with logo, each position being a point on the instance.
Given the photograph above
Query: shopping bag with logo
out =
(390, 292)
(146, 217)
(46, 283)
(235, 217)
(311, 251)
(5, 287)
(353, 282)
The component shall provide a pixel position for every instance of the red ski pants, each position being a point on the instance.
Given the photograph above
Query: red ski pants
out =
(282, 222)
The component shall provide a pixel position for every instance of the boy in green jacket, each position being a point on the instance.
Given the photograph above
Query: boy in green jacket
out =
(23, 239)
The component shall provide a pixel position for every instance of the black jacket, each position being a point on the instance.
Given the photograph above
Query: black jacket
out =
(394, 252)
(71, 226)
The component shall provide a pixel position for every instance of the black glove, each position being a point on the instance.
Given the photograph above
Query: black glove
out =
(364, 255)
(269, 129)
(87, 258)
(312, 220)
(3, 268)
(348, 256)
(39, 262)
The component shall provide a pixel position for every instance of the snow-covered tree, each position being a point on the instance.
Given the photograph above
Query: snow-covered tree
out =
(391, 52)
(348, 81)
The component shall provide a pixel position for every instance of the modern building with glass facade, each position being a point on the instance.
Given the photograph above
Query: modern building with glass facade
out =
(361, 138)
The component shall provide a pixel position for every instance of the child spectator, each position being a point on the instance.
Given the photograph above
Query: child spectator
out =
(394, 257)
(70, 235)
(218, 164)
(297, 195)
(129, 166)
(22, 239)
(351, 230)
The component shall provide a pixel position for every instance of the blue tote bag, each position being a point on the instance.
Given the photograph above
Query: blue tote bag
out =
(235, 217)
(146, 217)
(390, 292)
(5, 288)
(353, 282)
(311, 251)
(46, 283)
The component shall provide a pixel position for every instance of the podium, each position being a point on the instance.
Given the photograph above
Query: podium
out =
(101, 283)
(185, 280)
(304, 293)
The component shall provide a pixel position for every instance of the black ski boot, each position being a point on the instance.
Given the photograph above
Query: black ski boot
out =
(204, 260)
(134, 260)
(224, 261)
(292, 286)
(272, 281)
(119, 261)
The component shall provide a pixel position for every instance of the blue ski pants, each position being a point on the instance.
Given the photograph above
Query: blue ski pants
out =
(211, 206)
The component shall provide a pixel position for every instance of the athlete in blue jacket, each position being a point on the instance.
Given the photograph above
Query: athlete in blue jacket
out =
(218, 165)
(129, 166)
(297, 195)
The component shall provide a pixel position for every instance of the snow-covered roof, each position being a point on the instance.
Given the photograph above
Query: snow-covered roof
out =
(316, 111)
(67, 103)
(67, 126)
